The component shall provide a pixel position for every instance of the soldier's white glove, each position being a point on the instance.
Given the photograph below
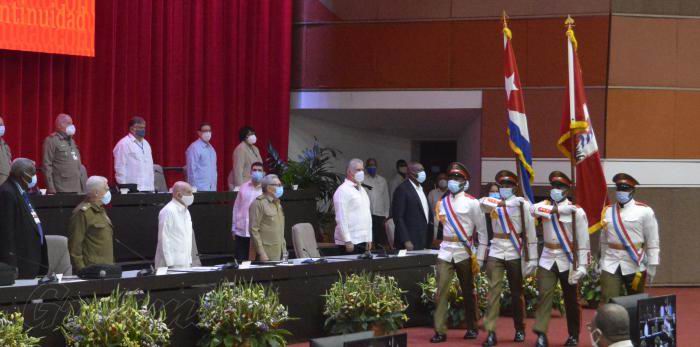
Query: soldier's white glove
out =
(530, 267)
(651, 273)
(567, 209)
(577, 275)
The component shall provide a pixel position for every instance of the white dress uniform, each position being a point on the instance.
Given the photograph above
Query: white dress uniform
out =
(501, 245)
(470, 216)
(640, 223)
(553, 251)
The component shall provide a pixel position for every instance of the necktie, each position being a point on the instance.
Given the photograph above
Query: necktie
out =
(31, 210)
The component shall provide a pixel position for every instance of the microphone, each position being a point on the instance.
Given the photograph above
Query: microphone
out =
(367, 254)
(384, 253)
(311, 261)
(150, 271)
(46, 279)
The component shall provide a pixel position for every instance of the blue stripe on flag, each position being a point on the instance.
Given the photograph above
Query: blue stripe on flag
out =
(520, 142)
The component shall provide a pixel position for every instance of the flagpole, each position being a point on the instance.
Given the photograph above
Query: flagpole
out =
(569, 22)
(504, 17)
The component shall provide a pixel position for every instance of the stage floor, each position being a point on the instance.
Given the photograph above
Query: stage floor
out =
(688, 302)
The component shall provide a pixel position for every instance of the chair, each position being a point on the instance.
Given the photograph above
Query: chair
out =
(159, 182)
(59, 258)
(304, 240)
(389, 227)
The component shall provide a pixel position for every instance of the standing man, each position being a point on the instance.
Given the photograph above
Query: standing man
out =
(434, 197)
(175, 232)
(61, 162)
(90, 229)
(401, 170)
(378, 192)
(201, 161)
(267, 221)
(353, 218)
(133, 159)
(629, 242)
(462, 218)
(244, 155)
(241, 223)
(411, 212)
(22, 242)
(513, 238)
(564, 257)
(5, 155)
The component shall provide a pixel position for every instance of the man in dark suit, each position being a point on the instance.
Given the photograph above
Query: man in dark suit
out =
(411, 212)
(22, 242)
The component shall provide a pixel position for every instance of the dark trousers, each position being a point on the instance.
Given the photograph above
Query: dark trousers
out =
(546, 283)
(242, 249)
(611, 284)
(445, 272)
(495, 269)
(378, 231)
(359, 249)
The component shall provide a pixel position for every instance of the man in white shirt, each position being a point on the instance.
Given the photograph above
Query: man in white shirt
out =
(378, 191)
(353, 231)
(175, 231)
(133, 159)
(610, 327)
(248, 192)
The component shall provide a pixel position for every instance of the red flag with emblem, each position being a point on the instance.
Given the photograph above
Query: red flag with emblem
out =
(577, 133)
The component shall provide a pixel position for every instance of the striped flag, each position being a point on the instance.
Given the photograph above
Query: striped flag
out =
(591, 189)
(518, 136)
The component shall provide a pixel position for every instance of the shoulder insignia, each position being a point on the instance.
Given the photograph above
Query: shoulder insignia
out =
(546, 202)
(85, 207)
(641, 203)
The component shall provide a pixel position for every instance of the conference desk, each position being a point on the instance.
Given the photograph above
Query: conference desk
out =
(300, 287)
(135, 219)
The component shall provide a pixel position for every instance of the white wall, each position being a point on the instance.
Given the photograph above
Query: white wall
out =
(353, 143)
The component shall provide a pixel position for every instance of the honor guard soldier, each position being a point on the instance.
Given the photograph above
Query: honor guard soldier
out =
(514, 239)
(629, 243)
(564, 257)
(463, 221)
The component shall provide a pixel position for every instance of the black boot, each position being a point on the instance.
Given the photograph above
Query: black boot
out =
(438, 338)
(490, 340)
(571, 341)
(541, 340)
(519, 336)
(471, 334)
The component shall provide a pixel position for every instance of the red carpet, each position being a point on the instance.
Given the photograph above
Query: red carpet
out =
(688, 301)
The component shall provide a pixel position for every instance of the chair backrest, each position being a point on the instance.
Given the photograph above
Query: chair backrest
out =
(159, 179)
(389, 227)
(59, 258)
(304, 240)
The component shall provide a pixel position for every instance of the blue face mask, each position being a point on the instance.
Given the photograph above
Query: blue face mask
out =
(107, 198)
(420, 177)
(278, 192)
(32, 183)
(623, 197)
(556, 194)
(140, 133)
(257, 176)
(372, 170)
(2, 130)
(506, 192)
(495, 195)
(454, 186)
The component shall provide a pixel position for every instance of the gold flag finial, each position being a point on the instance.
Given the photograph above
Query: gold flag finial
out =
(506, 30)
(505, 19)
(569, 22)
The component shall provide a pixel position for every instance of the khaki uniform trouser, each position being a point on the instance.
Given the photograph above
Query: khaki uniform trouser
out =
(495, 268)
(445, 272)
(611, 284)
(546, 284)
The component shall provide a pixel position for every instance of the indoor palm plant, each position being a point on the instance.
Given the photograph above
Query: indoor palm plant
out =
(12, 332)
(365, 301)
(242, 314)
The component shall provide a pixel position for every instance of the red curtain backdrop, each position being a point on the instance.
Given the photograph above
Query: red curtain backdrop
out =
(174, 62)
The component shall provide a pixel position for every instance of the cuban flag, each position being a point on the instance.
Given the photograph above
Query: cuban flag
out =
(518, 136)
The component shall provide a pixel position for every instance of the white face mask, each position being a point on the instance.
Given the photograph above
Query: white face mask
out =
(359, 176)
(2, 130)
(506, 192)
(252, 139)
(70, 130)
(206, 136)
(187, 199)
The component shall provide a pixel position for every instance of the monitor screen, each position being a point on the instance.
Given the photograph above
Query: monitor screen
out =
(657, 321)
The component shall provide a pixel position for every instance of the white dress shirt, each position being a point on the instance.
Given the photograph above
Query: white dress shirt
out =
(352, 214)
(472, 219)
(423, 199)
(378, 196)
(174, 236)
(503, 248)
(551, 256)
(201, 166)
(246, 195)
(433, 198)
(133, 163)
(640, 222)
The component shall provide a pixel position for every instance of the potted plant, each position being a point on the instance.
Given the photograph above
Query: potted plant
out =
(242, 314)
(589, 289)
(360, 302)
(531, 293)
(12, 332)
(455, 301)
(115, 320)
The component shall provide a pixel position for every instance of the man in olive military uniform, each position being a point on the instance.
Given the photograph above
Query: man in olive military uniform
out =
(267, 221)
(61, 162)
(564, 257)
(90, 229)
(629, 242)
(5, 155)
(463, 222)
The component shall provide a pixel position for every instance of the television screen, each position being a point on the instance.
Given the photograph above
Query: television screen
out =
(657, 321)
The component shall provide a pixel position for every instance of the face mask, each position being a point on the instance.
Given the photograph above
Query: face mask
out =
(495, 195)
(252, 139)
(140, 133)
(187, 199)
(107, 198)
(442, 184)
(372, 171)
(454, 186)
(279, 191)
(403, 170)
(623, 197)
(420, 177)
(206, 136)
(257, 176)
(32, 183)
(2, 130)
(70, 130)
(556, 194)
(359, 176)
(506, 192)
